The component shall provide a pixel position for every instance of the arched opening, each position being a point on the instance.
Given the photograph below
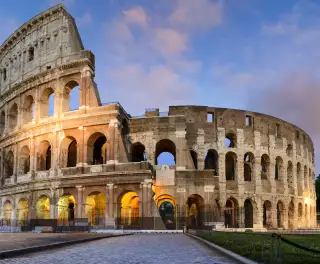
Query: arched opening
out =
(211, 161)
(66, 208)
(305, 172)
(278, 169)
(290, 177)
(25, 160)
(289, 150)
(31, 54)
(300, 214)
(248, 166)
(230, 140)
(194, 157)
(71, 96)
(231, 159)
(2, 122)
(264, 167)
(43, 208)
(7, 212)
(165, 152)
(97, 149)
(47, 103)
(267, 214)
(28, 109)
(125, 127)
(44, 156)
(291, 215)
(138, 152)
(195, 210)
(22, 212)
(231, 213)
(129, 211)
(299, 179)
(166, 205)
(280, 214)
(13, 116)
(9, 164)
(248, 214)
(95, 208)
(68, 154)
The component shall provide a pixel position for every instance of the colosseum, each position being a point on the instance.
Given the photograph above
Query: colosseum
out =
(97, 164)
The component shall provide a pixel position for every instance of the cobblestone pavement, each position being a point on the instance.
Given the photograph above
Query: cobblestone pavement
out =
(135, 249)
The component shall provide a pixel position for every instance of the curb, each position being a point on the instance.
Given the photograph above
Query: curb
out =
(18, 252)
(223, 250)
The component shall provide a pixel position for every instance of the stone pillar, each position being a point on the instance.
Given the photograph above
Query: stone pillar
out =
(14, 212)
(272, 175)
(112, 147)
(144, 199)
(181, 149)
(1, 168)
(33, 156)
(81, 150)
(80, 203)
(274, 217)
(285, 218)
(15, 163)
(257, 174)
(201, 150)
(110, 214)
(53, 206)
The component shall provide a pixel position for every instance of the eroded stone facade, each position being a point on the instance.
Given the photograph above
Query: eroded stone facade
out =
(241, 168)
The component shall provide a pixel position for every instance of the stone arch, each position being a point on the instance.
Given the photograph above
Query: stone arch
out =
(28, 109)
(47, 102)
(129, 208)
(300, 214)
(231, 213)
(278, 168)
(230, 165)
(43, 207)
(66, 208)
(22, 211)
(305, 174)
(9, 164)
(264, 167)
(248, 214)
(24, 160)
(2, 122)
(267, 214)
(195, 210)
(7, 211)
(211, 161)
(138, 152)
(194, 157)
(299, 179)
(95, 208)
(13, 116)
(248, 166)
(289, 150)
(290, 177)
(165, 147)
(97, 149)
(71, 96)
(291, 218)
(230, 140)
(44, 156)
(68, 152)
(280, 214)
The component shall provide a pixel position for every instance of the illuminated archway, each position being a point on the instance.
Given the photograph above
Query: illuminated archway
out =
(43, 208)
(167, 209)
(95, 208)
(195, 210)
(66, 207)
(129, 211)
(7, 211)
(22, 213)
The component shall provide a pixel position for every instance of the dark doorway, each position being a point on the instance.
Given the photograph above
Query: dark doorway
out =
(48, 158)
(248, 214)
(97, 150)
(72, 154)
(166, 211)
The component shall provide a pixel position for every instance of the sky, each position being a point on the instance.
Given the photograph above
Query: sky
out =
(258, 55)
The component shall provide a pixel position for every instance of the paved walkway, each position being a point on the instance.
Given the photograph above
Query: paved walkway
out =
(135, 249)
(10, 241)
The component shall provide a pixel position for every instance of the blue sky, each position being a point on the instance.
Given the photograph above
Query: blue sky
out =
(254, 54)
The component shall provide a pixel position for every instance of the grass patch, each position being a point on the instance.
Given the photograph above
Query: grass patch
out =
(263, 248)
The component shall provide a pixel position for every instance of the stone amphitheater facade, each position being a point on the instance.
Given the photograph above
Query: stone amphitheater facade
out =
(236, 167)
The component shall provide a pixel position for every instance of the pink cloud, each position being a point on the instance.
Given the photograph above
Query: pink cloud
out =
(200, 14)
(136, 15)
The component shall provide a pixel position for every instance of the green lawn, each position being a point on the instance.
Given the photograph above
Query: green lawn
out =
(263, 248)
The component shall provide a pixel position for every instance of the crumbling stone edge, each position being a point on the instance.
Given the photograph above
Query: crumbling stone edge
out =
(21, 251)
(224, 251)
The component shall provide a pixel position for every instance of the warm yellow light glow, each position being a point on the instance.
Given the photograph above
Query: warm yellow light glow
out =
(63, 206)
(129, 208)
(95, 208)
(22, 210)
(43, 208)
(307, 200)
(7, 210)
